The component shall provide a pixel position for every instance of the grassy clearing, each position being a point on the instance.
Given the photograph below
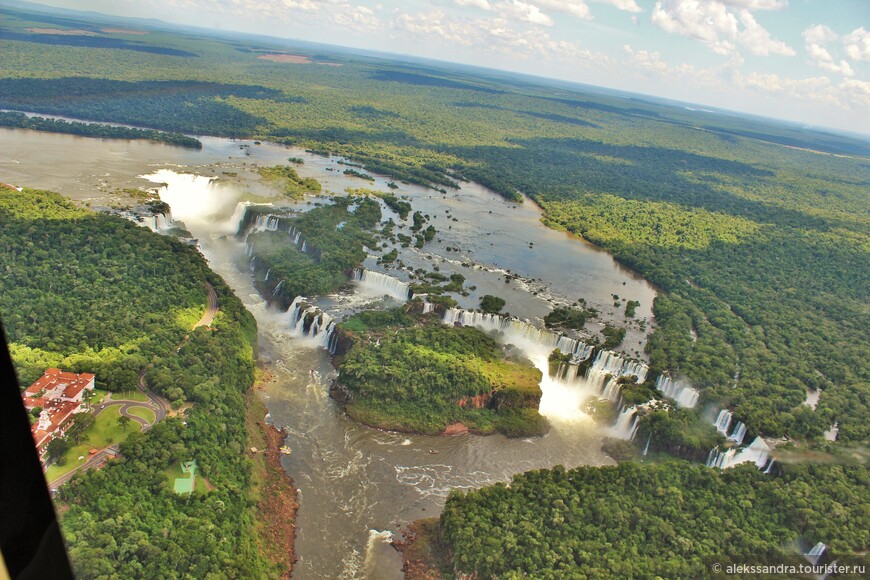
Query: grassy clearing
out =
(200, 487)
(130, 396)
(143, 413)
(104, 432)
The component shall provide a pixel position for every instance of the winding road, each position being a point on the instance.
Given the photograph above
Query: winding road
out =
(210, 310)
(98, 459)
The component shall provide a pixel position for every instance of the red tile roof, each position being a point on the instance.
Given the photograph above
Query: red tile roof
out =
(52, 379)
(57, 388)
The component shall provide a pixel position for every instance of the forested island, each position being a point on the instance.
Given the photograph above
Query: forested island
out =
(412, 373)
(21, 121)
(313, 253)
(94, 293)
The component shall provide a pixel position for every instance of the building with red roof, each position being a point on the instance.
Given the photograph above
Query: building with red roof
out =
(59, 396)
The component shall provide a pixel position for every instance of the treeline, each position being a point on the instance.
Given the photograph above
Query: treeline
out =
(22, 121)
(421, 376)
(92, 292)
(657, 520)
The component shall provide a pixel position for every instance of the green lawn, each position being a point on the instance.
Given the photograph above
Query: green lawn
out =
(130, 396)
(143, 412)
(97, 397)
(104, 432)
(201, 485)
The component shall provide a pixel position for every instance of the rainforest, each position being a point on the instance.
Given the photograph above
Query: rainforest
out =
(499, 326)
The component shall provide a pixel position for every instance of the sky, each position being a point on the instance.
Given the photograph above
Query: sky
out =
(801, 60)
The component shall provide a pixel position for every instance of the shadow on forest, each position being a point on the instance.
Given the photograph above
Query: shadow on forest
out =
(184, 106)
(566, 169)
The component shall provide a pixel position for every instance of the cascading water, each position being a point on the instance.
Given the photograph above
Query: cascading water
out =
(723, 422)
(520, 333)
(625, 426)
(428, 307)
(383, 284)
(738, 434)
(195, 199)
(311, 322)
(683, 394)
(758, 452)
(816, 553)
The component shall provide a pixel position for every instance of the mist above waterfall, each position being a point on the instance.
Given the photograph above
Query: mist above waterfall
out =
(196, 200)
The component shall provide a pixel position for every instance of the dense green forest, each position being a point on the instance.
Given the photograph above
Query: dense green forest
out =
(335, 237)
(91, 292)
(415, 374)
(762, 249)
(668, 520)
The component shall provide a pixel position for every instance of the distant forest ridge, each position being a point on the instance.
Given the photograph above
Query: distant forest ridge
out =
(758, 232)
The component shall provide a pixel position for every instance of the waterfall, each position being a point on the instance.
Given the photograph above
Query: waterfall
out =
(521, 333)
(684, 395)
(304, 246)
(266, 279)
(611, 390)
(625, 426)
(723, 422)
(758, 452)
(646, 447)
(235, 221)
(428, 307)
(384, 284)
(816, 553)
(831, 434)
(738, 434)
(311, 322)
(277, 288)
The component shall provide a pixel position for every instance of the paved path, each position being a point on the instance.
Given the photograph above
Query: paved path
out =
(211, 310)
(159, 404)
(125, 410)
(98, 459)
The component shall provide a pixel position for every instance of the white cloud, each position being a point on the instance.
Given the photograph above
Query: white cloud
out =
(815, 38)
(714, 24)
(576, 8)
(757, 39)
(757, 4)
(477, 3)
(627, 5)
(359, 18)
(819, 34)
(495, 36)
(436, 23)
(306, 5)
(524, 12)
(857, 91)
(646, 60)
(858, 45)
(709, 22)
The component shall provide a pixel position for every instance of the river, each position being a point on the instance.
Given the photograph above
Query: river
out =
(357, 485)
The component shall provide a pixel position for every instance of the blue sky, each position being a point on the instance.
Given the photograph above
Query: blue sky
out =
(803, 60)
